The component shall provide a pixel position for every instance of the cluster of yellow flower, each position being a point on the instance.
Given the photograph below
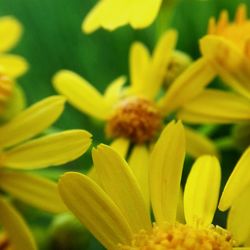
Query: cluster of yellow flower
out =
(115, 198)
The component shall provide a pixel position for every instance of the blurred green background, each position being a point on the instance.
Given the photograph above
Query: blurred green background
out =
(53, 40)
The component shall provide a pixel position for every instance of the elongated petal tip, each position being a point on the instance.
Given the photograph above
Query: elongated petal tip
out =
(238, 181)
(10, 32)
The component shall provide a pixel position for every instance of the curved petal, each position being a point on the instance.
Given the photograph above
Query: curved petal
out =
(10, 32)
(139, 59)
(237, 182)
(111, 14)
(93, 207)
(187, 86)
(202, 191)
(216, 106)
(13, 65)
(198, 144)
(120, 184)
(166, 163)
(238, 221)
(232, 65)
(34, 190)
(48, 151)
(139, 163)
(17, 230)
(81, 94)
(31, 121)
(158, 68)
(121, 146)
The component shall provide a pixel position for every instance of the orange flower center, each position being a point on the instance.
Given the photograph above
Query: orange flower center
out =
(135, 118)
(181, 237)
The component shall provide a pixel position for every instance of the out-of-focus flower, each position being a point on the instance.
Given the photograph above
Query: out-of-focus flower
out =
(227, 49)
(11, 67)
(114, 211)
(111, 14)
(135, 114)
(20, 152)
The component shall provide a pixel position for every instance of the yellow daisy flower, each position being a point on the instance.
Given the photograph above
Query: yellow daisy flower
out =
(135, 114)
(114, 210)
(227, 48)
(111, 14)
(11, 66)
(228, 44)
(19, 152)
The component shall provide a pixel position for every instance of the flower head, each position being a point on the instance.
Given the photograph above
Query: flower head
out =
(11, 67)
(111, 14)
(227, 47)
(19, 152)
(135, 113)
(114, 210)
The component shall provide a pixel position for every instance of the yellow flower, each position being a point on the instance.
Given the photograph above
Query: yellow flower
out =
(227, 48)
(114, 210)
(135, 114)
(111, 14)
(18, 152)
(11, 66)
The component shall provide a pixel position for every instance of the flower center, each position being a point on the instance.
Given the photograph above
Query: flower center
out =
(237, 32)
(6, 87)
(4, 242)
(135, 118)
(181, 237)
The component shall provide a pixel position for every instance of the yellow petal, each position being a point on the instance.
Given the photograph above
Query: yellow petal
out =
(17, 230)
(13, 65)
(198, 144)
(34, 190)
(31, 121)
(114, 91)
(187, 86)
(161, 58)
(121, 146)
(166, 163)
(111, 14)
(216, 106)
(202, 191)
(238, 221)
(237, 182)
(10, 32)
(120, 184)
(232, 65)
(138, 64)
(139, 163)
(93, 207)
(81, 94)
(48, 151)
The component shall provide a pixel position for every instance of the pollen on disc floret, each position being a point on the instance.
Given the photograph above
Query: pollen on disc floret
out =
(181, 237)
(135, 118)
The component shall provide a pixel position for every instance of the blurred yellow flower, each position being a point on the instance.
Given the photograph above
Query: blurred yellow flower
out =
(135, 114)
(11, 66)
(18, 152)
(114, 211)
(111, 14)
(227, 49)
